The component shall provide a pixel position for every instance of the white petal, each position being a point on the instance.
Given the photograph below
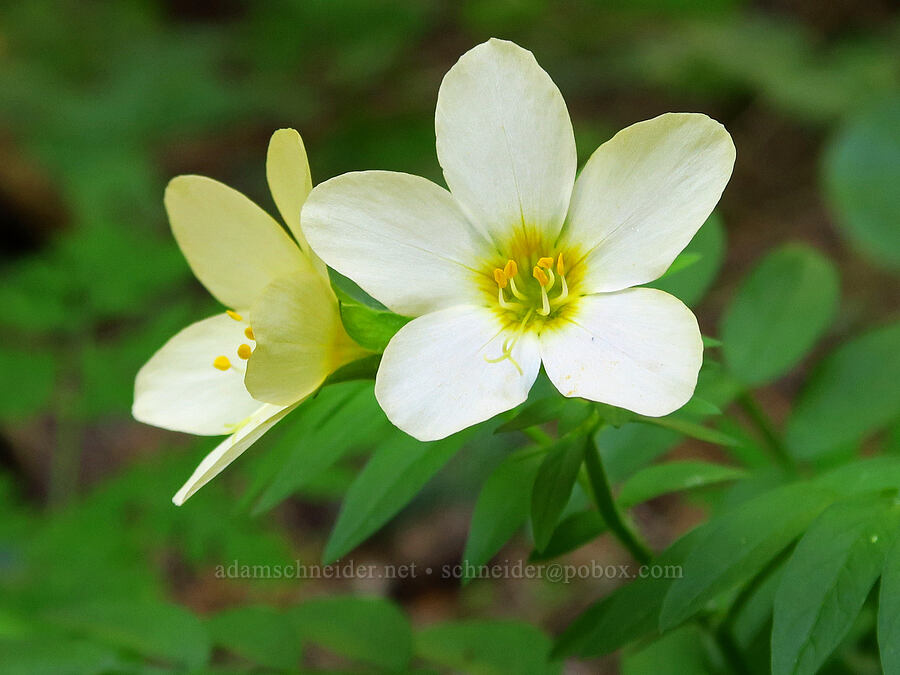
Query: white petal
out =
(505, 140)
(300, 339)
(643, 195)
(234, 247)
(179, 389)
(287, 171)
(434, 378)
(402, 238)
(231, 448)
(638, 349)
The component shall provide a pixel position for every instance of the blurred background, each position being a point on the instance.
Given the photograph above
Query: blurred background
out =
(102, 102)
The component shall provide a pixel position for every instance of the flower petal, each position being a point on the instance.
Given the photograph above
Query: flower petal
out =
(300, 339)
(638, 349)
(434, 378)
(402, 238)
(180, 389)
(643, 195)
(234, 247)
(231, 448)
(287, 171)
(505, 140)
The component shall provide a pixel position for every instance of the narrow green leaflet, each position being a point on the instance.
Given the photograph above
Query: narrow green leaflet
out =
(873, 474)
(573, 531)
(544, 410)
(392, 477)
(889, 611)
(688, 428)
(862, 172)
(367, 629)
(154, 630)
(553, 487)
(779, 312)
(628, 613)
(483, 647)
(503, 505)
(261, 635)
(681, 652)
(738, 544)
(692, 273)
(827, 579)
(852, 393)
(673, 477)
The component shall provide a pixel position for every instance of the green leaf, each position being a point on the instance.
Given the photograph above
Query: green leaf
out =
(361, 369)
(154, 630)
(573, 531)
(392, 477)
(30, 377)
(544, 410)
(483, 647)
(688, 428)
(872, 474)
(371, 328)
(367, 629)
(738, 544)
(779, 312)
(852, 393)
(826, 581)
(889, 611)
(261, 635)
(862, 172)
(502, 506)
(673, 477)
(56, 655)
(341, 418)
(680, 652)
(693, 272)
(553, 487)
(629, 612)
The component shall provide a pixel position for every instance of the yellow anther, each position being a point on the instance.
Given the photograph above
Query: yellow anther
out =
(541, 276)
(222, 363)
(234, 315)
(244, 352)
(511, 269)
(546, 263)
(500, 278)
(560, 265)
(249, 333)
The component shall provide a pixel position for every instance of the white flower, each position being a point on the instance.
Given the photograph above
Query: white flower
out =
(197, 382)
(521, 264)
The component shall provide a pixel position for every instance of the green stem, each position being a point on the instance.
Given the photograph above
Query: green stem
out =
(766, 428)
(606, 505)
(727, 646)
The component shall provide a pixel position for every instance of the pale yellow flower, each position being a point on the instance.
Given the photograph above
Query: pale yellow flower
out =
(276, 289)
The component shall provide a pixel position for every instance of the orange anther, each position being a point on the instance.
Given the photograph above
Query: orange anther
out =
(541, 276)
(500, 278)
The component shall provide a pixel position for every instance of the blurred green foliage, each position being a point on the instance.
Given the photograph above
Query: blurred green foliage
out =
(104, 102)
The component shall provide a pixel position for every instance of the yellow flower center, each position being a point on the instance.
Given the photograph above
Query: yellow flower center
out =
(532, 288)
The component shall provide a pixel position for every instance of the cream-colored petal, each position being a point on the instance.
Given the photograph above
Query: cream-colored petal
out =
(300, 339)
(505, 141)
(638, 349)
(234, 247)
(287, 171)
(263, 419)
(435, 378)
(402, 238)
(643, 195)
(180, 389)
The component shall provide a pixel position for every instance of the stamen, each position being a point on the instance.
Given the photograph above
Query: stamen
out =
(502, 301)
(248, 331)
(540, 275)
(546, 263)
(560, 265)
(511, 269)
(244, 352)
(564, 293)
(500, 278)
(509, 344)
(234, 315)
(221, 363)
(515, 290)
